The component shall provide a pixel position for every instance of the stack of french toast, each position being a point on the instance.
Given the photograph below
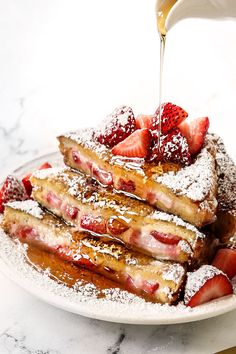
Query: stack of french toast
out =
(147, 201)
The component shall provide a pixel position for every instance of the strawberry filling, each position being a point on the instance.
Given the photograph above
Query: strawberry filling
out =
(141, 285)
(86, 165)
(116, 227)
(26, 233)
(166, 238)
(71, 254)
(146, 241)
(152, 198)
(94, 224)
(53, 200)
(102, 176)
(70, 211)
(126, 186)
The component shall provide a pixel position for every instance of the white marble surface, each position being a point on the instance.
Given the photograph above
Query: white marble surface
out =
(66, 64)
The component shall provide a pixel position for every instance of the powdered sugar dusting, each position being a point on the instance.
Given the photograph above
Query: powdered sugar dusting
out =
(159, 215)
(194, 181)
(75, 183)
(48, 172)
(226, 172)
(120, 115)
(85, 137)
(197, 279)
(28, 206)
(174, 273)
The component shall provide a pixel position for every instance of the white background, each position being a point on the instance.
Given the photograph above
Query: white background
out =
(68, 63)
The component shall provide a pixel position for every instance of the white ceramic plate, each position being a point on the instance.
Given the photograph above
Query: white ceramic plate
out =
(117, 306)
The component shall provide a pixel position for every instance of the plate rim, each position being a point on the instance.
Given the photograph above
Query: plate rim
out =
(85, 309)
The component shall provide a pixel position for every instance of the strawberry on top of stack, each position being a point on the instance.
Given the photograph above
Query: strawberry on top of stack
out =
(181, 140)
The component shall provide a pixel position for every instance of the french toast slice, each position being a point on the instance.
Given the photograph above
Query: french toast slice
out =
(188, 192)
(83, 203)
(154, 280)
(225, 225)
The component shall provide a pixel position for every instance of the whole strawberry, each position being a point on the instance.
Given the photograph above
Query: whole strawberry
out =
(116, 127)
(11, 191)
(173, 148)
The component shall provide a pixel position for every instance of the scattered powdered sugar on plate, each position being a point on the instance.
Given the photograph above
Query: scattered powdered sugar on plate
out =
(194, 181)
(29, 206)
(117, 305)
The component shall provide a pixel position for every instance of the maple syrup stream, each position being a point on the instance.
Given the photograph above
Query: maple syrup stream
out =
(162, 10)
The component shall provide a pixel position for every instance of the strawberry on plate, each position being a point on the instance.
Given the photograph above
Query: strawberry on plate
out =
(12, 190)
(205, 284)
(195, 132)
(136, 145)
(225, 260)
(173, 148)
(26, 180)
(116, 127)
(171, 117)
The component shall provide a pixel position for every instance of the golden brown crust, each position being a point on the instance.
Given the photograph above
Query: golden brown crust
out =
(149, 185)
(106, 257)
(138, 219)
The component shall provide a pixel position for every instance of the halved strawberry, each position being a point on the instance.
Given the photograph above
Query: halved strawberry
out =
(173, 147)
(195, 132)
(225, 260)
(166, 238)
(136, 145)
(26, 180)
(146, 121)
(116, 127)
(12, 190)
(205, 284)
(171, 117)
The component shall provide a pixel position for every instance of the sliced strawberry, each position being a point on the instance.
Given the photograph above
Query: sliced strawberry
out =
(166, 238)
(205, 284)
(116, 127)
(171, 117)
(136, 145)
(173, 147)
(225, 260)
(12, 190)
(146, 121)
(195, 132)
(94, 224)
(26, 180)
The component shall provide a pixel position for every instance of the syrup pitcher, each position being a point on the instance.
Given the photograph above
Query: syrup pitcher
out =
(169, 12)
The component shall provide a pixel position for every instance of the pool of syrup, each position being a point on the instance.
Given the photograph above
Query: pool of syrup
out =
(66, 273)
